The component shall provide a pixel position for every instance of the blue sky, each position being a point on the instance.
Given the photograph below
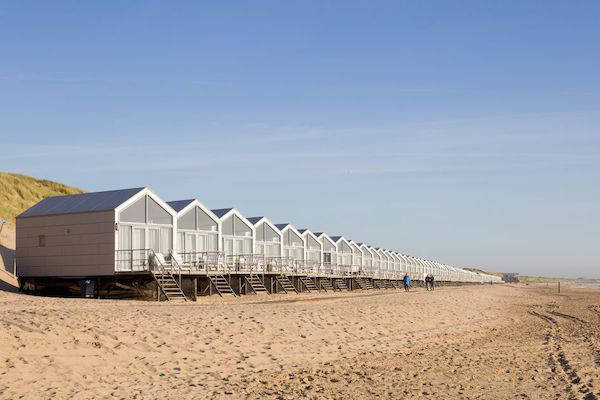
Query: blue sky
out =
(466, 132)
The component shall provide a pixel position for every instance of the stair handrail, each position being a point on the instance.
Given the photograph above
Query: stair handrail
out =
(175, 263)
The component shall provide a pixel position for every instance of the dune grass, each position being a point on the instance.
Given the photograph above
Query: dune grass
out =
(19, 192)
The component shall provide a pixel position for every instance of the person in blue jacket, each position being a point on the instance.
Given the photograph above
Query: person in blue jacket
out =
(406, 281)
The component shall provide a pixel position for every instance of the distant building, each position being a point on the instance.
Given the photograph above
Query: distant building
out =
(510, 277)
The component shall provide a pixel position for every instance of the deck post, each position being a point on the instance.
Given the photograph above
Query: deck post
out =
(195, 290)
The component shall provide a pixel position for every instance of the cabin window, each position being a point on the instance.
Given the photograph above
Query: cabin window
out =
(135, 212)
(212, 243)
(187, 221)
(239, 227)
(157, 214)
(204, 221)
(42, 241)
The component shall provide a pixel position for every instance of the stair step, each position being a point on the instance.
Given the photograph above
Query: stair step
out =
(256, 284)
(285, 284)
(222, 285)
(363, 284)
(326, 285)
(168, 285)
(309, 284)
(340, 284)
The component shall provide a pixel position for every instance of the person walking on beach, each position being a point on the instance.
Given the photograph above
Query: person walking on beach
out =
(406, 281)
(427, 282)
(432, 281)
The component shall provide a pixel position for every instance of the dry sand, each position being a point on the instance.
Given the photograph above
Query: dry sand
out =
(471, 342)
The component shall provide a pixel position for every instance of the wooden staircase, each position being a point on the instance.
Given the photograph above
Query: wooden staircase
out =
(221, 285)
(326, 285)
(256, 284)
(168, 285)
(309, 284)
(340, 284)
(364, 284)
(377, 283)
(164, 278)
(285, 284)
(396, 284)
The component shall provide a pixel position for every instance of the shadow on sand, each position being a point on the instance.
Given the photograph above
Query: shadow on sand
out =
(8, 258)
(7, 281)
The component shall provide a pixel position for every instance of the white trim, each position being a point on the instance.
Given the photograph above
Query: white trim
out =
(229, 213)
(288, 246)
(266, 220)
(343, 239)
(193, 204)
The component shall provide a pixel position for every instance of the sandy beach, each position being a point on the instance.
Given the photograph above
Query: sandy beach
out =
(457, 342)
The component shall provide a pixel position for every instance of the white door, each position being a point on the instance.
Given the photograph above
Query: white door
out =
(190, 242)
(154, 239)
(139, 253)
(239, 246)
(228, 246)
(124, 255)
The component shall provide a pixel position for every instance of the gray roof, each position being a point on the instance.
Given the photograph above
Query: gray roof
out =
(335, 238)
(281, 226)
(179, 205)
(302, 230)
(254, 220)
(219, 212)
(78, 203)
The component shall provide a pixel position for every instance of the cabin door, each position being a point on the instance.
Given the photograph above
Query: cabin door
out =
(124, 253)
(154, 239)
(139, 245)
(202, 243)
(190, 243)
(228, 246)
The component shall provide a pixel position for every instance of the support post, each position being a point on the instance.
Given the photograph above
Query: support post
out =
(195, 290)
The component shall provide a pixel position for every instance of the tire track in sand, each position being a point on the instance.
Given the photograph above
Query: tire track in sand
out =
(557, 359)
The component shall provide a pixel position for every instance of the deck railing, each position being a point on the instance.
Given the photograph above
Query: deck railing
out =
(132, 260)
(216, 262)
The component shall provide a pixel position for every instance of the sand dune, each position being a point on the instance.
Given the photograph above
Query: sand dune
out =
(488, 342)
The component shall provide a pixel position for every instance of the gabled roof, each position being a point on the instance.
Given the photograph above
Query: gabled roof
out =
(254, 220)
(220, 212)
(323, 235)
(289, 226)
(182, 207)
(223, 213)
(179, 205)
(367, 248)
(308, 232)
(79, 203)
(336, 238)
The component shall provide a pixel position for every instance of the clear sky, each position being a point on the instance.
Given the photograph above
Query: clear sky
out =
(462, 131)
